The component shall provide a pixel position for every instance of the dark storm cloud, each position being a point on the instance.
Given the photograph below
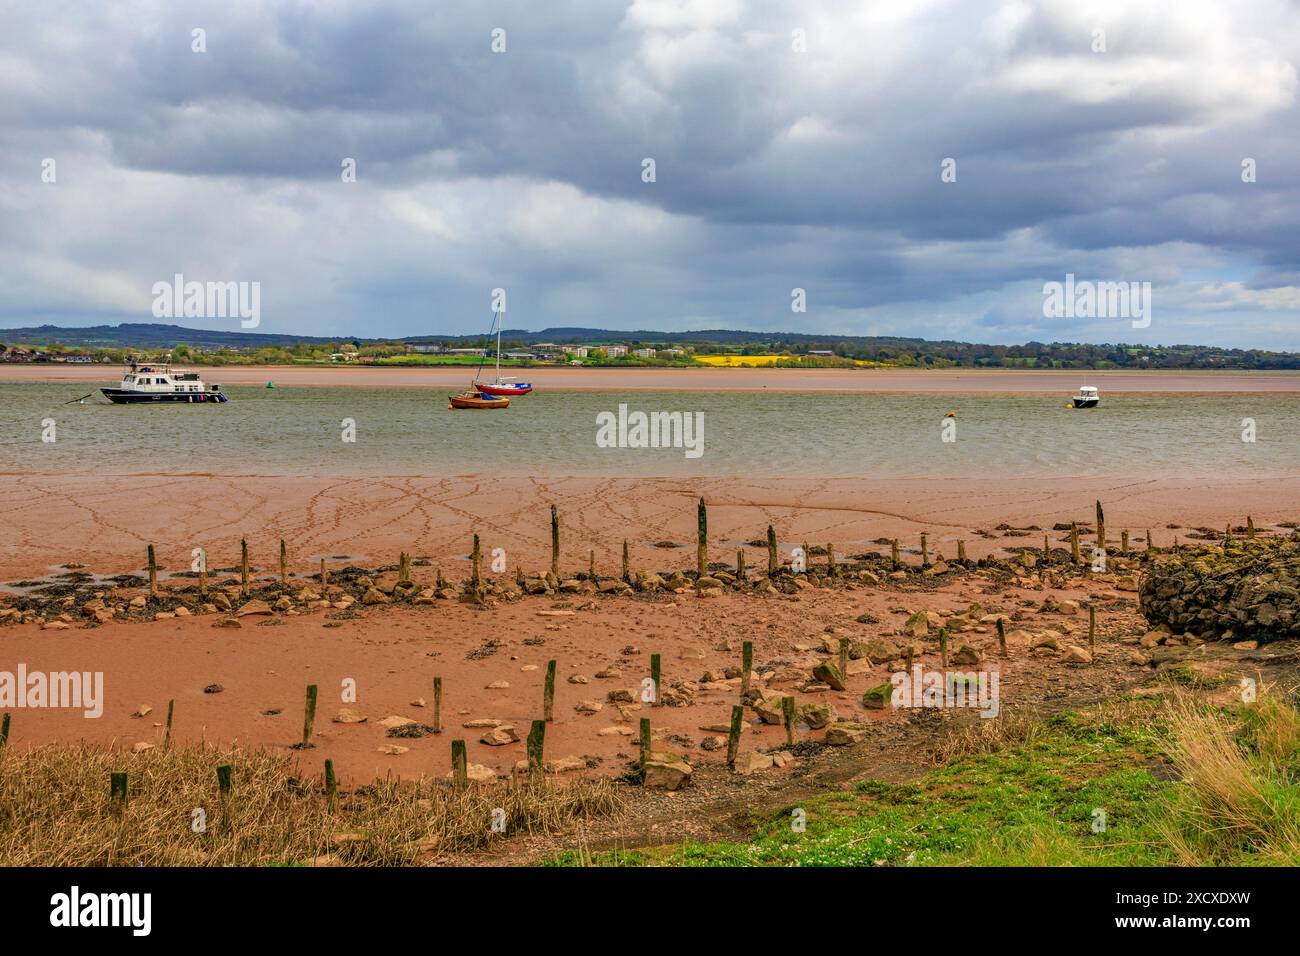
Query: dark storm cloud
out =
(775, 168)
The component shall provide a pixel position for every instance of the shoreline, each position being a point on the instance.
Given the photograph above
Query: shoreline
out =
(1014, 381)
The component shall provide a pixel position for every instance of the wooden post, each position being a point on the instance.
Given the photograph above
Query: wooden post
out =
(1150, 545)
(807, 558)
(772, 563)
(831, 569)
(117, 795)
(153, 573)
(910, 657)
(475, 555)
(284, 565)
(702, 547)
(555, 543)
(591, 565)
(893, 553)
(548, 693)
(925, 551)
(203, 573)
(740, 564)
(1092, 627)
(309, 718)
(1227, 534)
(943, 647)
(1250, 527)
(324, 577)
(243, 566)
(331, 783)
(627, 571)
(4, 729)
(167, 734)
(961, 551)
(746, 666)
(223, 780)
(1002, 636)
(459, 768)
(1101, 528)
(439, 581)
(404, 567)
(645, 741)
(787, 718)
(536, 747)
(1074, 542)
(1123, 543)
(655, 674)
(844, 659)
(733, 739)
(437, 705)
(1047, 550)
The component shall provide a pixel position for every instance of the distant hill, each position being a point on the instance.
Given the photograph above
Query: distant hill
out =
(893, 350)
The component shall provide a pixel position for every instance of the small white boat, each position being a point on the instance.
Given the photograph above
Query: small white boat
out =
(1087, 397)
(159, 382)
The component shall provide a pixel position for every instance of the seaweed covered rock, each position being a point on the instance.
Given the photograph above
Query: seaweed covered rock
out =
(1248, 590)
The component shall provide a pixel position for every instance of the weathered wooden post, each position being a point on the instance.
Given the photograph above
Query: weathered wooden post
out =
(910, 657)
(153, 573)
(1092, 627)
(437, 705)
(324, 578)
(787, 718)
(223, 781)
(117, 793)
(961, 551)
(4, 729)
(773, 563)
(1047, 550)
(167, 734)
(555, 543)
(702, 547)
(627, 571)
(284, 565)
(807, 558)
(591, 565)
(1250, 527)
(243, 566)
(831, 568)
(404, 567)
(746, 666)
(844, 659)
(459, 767)
(645, 741)
(536, 747)
(203, 573)
(655, 674)
(740, 564)
(1101, 528)
(893, 554)
(1150, 543)
(733, 738)
(309, 719)
(1002, 637)
(1074, 542)
(548, 693)
(1123, 543)
(925, 551)
(1227, 534)
(331, 784)
(943, 647)
(476, 572)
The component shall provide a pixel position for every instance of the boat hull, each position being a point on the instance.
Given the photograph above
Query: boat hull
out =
(477, 401)
(506, 391)
(1086, 402)
(119, 396)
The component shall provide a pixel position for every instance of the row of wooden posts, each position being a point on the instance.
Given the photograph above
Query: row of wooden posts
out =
(702, 554)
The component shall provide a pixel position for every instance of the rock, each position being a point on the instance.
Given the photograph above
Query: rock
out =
(499, 685)
(141, 747)
(183, 611)
(665, 771)
(769, 708)
(54, 626)
(1246, 645)
(482, 722)
(1077, 655)
(713, 742)
(588, 707)
(392, 723)
(375, 596)
(144, 710)
(918, 625)
(500, 736)
(965, 655)
(349, 715)
(878, 697)
(841, 735)
(781, 758)
(213, 689)
(393, 750)
(565, 765)
(818, 716)
(623, 696)
(828, 672)
(255, 606)
(577, 679)
(748, 762)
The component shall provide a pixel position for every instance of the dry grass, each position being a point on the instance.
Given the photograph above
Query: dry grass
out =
(54, 811)
(1240, 798)
(984, 736)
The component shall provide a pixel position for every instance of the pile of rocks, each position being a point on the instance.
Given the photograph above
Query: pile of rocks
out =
(1246, 590)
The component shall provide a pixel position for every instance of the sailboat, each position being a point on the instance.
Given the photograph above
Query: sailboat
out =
(503, 387)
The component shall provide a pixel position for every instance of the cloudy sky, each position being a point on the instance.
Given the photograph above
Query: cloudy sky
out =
(795, 145)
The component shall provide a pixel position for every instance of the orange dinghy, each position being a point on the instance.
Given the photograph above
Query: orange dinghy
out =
(472, 399)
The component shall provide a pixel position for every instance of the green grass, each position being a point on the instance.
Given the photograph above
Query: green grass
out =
(1028, 799)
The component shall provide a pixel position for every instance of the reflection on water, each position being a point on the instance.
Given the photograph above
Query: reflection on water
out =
(410, 431)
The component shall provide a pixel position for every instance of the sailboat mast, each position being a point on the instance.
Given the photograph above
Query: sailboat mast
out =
(499, 324)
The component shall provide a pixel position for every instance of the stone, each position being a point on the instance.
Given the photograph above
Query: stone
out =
(665, 771)
(255, 606)
(841, 735)
(749, 761)
(1077, 655)
(375, 596)
(769, 709)
(918, 625)
(392, 723)
(588, 707)
(500, 736)
(817, 716)
(828, 672)
(393, 750)
(878, 697)
(349, 715)
(965, 655)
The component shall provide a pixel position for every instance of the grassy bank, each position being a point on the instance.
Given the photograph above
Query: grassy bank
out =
(1140, 782)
